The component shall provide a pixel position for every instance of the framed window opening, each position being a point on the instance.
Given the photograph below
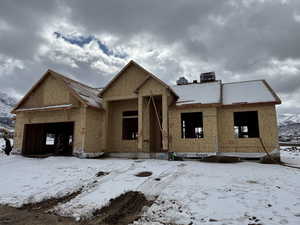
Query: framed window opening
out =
(246, 124)
(130, 125)
(192, 125)
(50, 139)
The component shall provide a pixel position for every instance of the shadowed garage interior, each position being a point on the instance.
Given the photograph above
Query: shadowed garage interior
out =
(48, 138)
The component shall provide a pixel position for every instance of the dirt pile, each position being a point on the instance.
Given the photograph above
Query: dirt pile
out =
(124, 209)
(50, 203)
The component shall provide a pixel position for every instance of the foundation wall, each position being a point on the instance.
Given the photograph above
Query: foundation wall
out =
(268, 130)
(206, 144)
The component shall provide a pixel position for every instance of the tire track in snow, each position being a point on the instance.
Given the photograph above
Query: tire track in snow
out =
(153, 188)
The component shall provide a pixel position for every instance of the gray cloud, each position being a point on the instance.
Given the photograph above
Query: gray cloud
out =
(240, 40)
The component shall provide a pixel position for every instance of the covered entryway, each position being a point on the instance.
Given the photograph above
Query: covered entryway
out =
(155, 123)
(48, 138)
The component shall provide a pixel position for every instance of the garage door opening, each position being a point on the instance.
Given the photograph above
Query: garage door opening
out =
(48, 138)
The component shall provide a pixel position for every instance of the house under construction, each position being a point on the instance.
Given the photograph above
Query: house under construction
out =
(138, 115)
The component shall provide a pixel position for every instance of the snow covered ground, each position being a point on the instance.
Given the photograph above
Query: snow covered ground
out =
(187, 191)
(290, 155)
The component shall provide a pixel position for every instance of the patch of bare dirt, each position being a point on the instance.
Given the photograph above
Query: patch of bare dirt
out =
(101, 173)
(15, 216)
(122, 210)
(144, 174)
(35, 213)
(49, 203)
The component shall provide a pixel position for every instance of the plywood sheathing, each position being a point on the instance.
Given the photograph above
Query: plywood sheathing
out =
(267, 128)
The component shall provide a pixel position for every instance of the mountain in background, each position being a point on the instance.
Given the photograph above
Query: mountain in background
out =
(6, 105)
(287, 119)
(289, 127)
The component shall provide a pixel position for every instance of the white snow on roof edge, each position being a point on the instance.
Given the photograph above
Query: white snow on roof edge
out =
(247, 92)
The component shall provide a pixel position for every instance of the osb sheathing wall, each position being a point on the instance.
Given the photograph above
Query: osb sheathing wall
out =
(23, 118)
(94, 140)
(125, 85)
(115, 140)
(268, 130)
(50, 92)
(207, 144)
(152, 87)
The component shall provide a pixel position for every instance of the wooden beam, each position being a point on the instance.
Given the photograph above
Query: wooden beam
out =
(140, 123)
(165, 133)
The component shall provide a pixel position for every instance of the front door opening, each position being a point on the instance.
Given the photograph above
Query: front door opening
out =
(155, 122)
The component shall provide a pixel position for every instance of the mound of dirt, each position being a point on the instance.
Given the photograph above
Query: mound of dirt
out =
(124, 209)
(14, 216)
(143, 174)
(49, 203)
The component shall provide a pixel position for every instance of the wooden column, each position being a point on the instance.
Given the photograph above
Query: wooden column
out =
(106, 126)
(165, 132)
(83, 127)
(140, 123)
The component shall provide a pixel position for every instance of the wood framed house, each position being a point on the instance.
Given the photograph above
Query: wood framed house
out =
(138, 115)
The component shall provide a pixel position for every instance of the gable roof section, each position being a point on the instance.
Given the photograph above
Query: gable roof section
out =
(150, 75)
(159, 81)
(200, 93)
(86, 93)
(83, 93)
(249, 92)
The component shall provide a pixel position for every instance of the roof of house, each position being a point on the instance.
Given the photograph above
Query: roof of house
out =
(256, 91)
(246, 92)
(150, 75)
(85, 94)
(88, 94)
(199, 93)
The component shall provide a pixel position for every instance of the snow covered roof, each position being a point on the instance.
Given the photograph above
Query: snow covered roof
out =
(256, 91)
(204, 93)
(247, 92)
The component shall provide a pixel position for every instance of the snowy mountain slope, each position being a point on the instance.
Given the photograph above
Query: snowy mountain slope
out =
(6, 104)
(288, 118)
(289, 125)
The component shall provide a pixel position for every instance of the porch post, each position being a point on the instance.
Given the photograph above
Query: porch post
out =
(140, 123)
(106, 126)
(165, 131)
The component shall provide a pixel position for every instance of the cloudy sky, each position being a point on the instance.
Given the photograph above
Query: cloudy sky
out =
(92, 40)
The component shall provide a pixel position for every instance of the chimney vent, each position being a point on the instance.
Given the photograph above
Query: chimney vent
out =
(207, 77)
(182, 81)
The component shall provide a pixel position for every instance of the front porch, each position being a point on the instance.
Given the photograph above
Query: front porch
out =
(137, 125)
